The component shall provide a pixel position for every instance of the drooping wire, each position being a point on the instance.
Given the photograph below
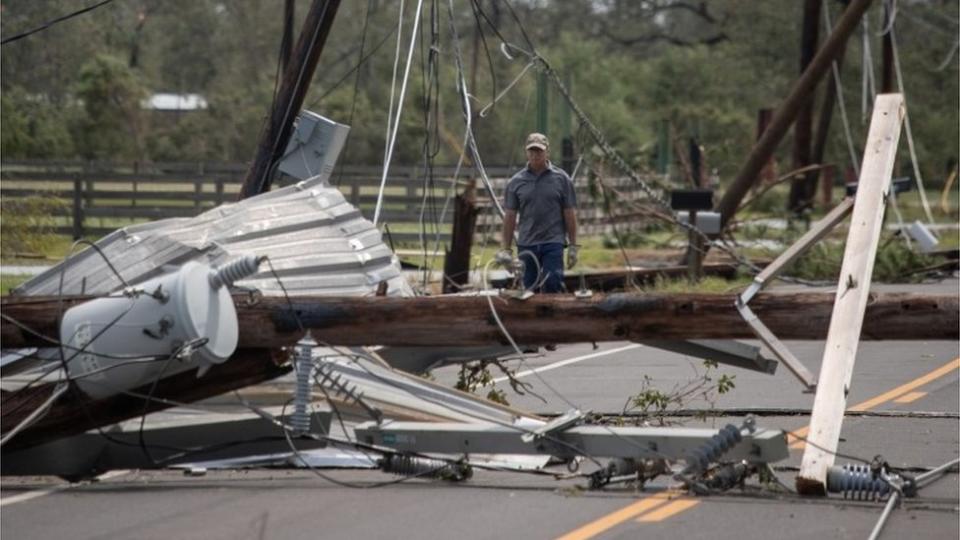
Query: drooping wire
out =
(906, 124)
(395, 128)
(516, 18)
(486, 109)
(37, 414)
(393, 78)
(431, 140)
(283, 289)
(835, 70)
(184, 349)
(869, 88)
(949, 57)
(356, 82)
(478, 12)
(50, 23)
(466, 110)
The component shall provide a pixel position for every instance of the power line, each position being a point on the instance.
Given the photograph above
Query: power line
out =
(356, 84)
(48, 24)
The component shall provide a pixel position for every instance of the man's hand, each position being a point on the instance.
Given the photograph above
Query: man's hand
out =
(573, 255)
(504, 258)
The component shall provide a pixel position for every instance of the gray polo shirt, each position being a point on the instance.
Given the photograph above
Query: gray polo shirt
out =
(540, 200)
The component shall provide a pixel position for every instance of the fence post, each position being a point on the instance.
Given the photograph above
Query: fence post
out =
(197, 193)
(219, 191)
(77, 208)
(355, 191)
(412, 206)
(136, 183)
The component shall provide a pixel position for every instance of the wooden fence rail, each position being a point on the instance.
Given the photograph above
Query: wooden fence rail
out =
(96, 198)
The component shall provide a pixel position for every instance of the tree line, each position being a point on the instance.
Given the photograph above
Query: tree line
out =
(651, 74)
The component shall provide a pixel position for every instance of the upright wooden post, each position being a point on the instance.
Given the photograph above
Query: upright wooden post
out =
(803, 129)
(853, 290)
(77, 208)
(197, 193)
(823, 129)
(694, 251)
(456, 266)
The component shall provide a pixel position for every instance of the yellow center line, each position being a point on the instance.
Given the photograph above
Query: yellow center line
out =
(671, 509)
(904, 388)
(910, 398)
(613, 519)
(657, 505)
(884, 397)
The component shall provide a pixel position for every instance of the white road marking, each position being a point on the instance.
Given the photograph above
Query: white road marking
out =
(569, 361)
(23, 497)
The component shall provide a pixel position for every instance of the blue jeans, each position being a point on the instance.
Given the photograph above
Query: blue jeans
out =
(543, 267)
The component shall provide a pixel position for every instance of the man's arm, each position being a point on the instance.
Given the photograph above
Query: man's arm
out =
(570, 221)
(509, 224)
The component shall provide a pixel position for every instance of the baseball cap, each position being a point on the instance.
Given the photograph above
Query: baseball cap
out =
(537, 140)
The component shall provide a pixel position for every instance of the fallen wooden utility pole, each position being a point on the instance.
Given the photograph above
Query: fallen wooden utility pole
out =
(467, 320)
(787, 112)
(75, 413)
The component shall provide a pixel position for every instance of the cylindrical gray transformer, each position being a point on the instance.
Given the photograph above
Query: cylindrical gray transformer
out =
(130, 338)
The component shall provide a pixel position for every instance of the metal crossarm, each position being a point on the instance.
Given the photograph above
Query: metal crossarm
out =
(816, 233)
(762, 446)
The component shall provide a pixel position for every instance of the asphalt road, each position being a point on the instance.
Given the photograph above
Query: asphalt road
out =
(899, 377)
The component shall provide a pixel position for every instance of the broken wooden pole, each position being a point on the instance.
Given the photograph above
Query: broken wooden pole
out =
(456, 264)
(886, 74)
(558, 318)
(290, 96)
(852, 296)
(75, 412)
(787, 112)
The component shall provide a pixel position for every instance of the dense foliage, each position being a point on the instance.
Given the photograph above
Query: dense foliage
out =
(702, 68)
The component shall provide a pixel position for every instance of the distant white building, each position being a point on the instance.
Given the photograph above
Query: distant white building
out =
(168, 102)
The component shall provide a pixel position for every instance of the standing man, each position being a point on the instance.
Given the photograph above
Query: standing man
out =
(543, 195)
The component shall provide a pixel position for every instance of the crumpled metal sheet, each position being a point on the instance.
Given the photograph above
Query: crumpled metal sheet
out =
(396, 390)
(318, 243)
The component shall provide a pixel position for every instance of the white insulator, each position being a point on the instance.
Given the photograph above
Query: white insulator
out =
(234, 271)
(303, 363)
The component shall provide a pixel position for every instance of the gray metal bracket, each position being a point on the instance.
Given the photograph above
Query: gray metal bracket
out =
(560, 423)
(733, 353)
(761, 446)
(777, 347)
(816, 233)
